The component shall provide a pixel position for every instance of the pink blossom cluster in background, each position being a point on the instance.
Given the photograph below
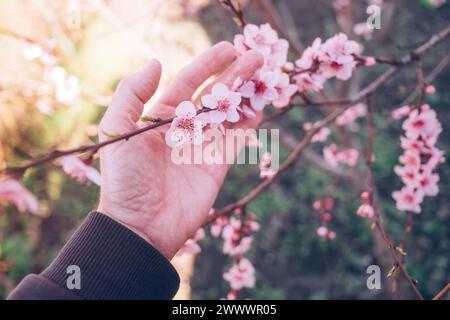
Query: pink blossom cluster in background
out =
(13, 192)
(420, 158)
(366, 210)
(57, 87)
(321, 135)
(79, 170)
(333, 156)
(323, 208)
(237, 238)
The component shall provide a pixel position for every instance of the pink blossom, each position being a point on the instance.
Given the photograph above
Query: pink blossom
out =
(361, 29)
(322, 231)
(328, 203)
(237, 250)
(410, 176)
(241, 275)
(186, 127)
(310, 55)
(366, 211)
(331, 235)
(429, 90)
(67, 87)
(408, 200)
(217, 226)
(260, 38)
(401, 112)
(235, 244)
(232, 295)
(223, 102)
(13, 192)
(370, 62)
(31, 50)
(278, 55)
(239, 44)
(349, 157)
(337, 57)
(342, 71)
(321, 135)
(352, 114)
(264, 40)
(333, 156)
(79, 170)
(309, 82)
(288, 66)
(410, 159)
(265, 166)
(247, 110)
(423, 124)
(285, 91)
(330, 155)
(317, 205)
(365, 196)
(411, 144)
(428, 182)
(261, 89)
(435, 158)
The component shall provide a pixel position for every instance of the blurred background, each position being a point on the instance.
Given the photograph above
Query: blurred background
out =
(61, 60)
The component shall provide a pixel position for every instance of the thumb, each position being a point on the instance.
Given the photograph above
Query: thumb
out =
(128, 101)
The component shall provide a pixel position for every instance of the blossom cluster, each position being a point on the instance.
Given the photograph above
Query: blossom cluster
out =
(420, 158)
(366, 210)
(333, 156)
(237, 238)
(13, 192)
(57, 87)
(323, 208)
(269, 85)
(334, 58)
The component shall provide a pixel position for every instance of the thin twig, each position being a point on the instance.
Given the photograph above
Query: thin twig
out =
(237, 11)
(443, 292)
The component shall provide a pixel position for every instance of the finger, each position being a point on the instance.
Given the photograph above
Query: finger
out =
(244, 67)
(211, 62)
(128, 101)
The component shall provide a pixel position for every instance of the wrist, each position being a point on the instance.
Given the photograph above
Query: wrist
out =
(140, 228)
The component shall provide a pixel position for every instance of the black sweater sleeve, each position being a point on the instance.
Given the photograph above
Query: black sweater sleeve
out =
(113, 262)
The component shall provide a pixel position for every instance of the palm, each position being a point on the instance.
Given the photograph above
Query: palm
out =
(142, 187)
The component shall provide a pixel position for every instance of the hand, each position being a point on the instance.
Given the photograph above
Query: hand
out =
(142, 188)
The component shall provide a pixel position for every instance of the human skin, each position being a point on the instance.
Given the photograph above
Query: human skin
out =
(163, 202)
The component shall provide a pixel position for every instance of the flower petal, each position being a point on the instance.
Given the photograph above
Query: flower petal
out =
(217, 116)
(232, 115)
(209, 101)
(186, 109)
(219, 90)
(248, 89)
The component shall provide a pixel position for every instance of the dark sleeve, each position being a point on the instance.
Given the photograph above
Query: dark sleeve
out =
(114, 263)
